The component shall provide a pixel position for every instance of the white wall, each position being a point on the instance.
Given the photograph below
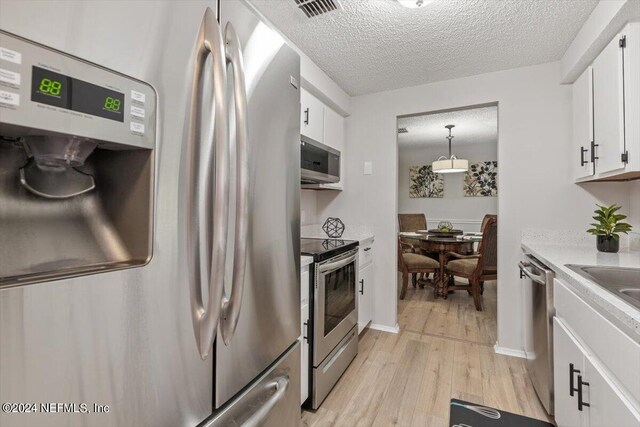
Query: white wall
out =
(308, 207)
(634, 214)
(464, 212)
(534, 156)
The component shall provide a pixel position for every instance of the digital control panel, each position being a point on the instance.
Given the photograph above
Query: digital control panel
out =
(43, 90)
(63, 91)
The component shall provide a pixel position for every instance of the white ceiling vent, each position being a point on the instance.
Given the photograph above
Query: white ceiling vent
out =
(403, 130)
(313, 8)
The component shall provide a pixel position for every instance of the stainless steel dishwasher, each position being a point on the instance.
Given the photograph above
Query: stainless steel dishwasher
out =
(538, 326)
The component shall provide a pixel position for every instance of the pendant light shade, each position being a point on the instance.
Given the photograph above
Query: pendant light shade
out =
(450, 164)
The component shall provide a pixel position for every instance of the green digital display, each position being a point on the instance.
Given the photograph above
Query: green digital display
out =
(58, 90)
(51, 87)
(112, 104)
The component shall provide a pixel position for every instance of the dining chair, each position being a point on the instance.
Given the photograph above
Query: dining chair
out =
(414, 222)
(479, 267)
(410, 262)
(486, 219)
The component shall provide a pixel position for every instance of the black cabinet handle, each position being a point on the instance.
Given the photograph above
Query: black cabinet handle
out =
(367, 249)
(581, 404)
(362, 287)
(572, 371)
(306, 327)
(306, 116)
(593, 152)
(582, 160)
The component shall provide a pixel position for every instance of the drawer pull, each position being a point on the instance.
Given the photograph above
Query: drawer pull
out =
(572, 371)
(367, 249)
(580, 384)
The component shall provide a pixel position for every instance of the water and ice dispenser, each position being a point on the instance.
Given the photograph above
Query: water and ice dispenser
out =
(76, 165)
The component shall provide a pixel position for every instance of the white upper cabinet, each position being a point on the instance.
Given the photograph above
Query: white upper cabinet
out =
(608, 107)
(311, 117)
(322, 124)
(609, 112)
(582, 94)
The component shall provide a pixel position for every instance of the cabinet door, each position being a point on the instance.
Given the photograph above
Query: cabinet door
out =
(365, 297)
(608, 108)
(568, 361)
(607, 405)
(304, 354)
(582, 94)
(312, 117)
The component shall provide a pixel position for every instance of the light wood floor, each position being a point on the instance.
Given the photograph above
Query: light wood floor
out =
(444, 351)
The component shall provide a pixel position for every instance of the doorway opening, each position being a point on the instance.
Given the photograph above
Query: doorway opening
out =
(447, 205)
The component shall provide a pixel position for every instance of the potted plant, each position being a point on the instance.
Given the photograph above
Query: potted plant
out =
(607, 227)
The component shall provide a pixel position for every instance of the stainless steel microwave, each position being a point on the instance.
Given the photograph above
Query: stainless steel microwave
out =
(319, 163)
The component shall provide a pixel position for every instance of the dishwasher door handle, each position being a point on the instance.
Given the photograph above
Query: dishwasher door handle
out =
(538, 278)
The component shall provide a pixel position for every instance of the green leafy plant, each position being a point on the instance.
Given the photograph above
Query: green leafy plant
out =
(608, 222)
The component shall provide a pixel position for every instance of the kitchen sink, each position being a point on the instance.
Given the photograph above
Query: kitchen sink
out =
(624, 282)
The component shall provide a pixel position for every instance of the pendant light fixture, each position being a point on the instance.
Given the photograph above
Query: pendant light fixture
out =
(452, 164)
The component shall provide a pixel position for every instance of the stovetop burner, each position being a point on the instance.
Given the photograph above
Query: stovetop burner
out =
(322, 249)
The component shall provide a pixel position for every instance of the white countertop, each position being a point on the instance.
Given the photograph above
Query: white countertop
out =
(359, 233)
(617, 310)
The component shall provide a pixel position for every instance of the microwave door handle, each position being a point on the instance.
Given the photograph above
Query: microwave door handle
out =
(205, 271)
(336, 265)
(231, 306)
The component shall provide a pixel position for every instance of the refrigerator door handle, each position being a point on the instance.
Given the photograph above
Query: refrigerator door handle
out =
(280, 385)
(204, 271)
(231, 306)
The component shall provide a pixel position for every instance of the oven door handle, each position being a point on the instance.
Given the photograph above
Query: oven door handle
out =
(337, 264)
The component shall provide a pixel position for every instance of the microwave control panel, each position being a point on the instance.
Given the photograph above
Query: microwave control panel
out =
(44, 91)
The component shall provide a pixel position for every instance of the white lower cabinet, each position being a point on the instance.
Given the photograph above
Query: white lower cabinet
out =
(365, 285)
(365, 297)
(584, 393)
(304, 334)
(304, 354)
(568, 362)
(607, 405)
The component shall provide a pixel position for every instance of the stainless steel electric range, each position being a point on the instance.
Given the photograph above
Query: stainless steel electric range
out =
(334, 317)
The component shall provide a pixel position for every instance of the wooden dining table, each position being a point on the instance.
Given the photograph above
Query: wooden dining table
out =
(433, 243)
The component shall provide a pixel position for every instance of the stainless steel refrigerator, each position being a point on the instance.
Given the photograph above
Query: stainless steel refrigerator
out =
(149, 215)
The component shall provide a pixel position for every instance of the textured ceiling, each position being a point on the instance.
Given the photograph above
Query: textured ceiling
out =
(374, 45)
(474, 126)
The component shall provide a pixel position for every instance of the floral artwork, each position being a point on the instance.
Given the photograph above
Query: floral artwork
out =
(481, 180)
(425, 183)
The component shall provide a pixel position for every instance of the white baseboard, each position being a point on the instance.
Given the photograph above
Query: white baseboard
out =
(385, 328)
(509, 351)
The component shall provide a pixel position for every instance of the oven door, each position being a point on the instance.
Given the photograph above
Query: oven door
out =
(336, 311)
